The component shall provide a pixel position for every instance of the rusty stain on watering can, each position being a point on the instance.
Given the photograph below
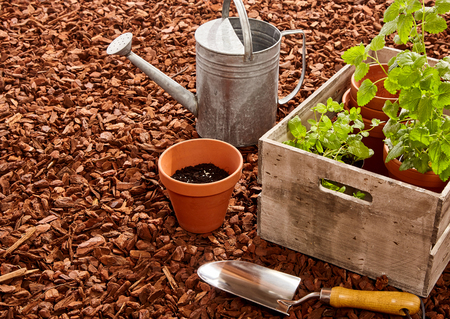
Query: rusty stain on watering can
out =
(237, 72)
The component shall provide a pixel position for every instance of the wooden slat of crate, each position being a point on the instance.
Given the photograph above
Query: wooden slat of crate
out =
(443, 220)
(440, 255)
(402, 233)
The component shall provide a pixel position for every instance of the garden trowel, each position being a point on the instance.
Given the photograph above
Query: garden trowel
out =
(275, 289)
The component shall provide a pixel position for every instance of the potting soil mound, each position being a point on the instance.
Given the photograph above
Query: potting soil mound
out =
(201, 173)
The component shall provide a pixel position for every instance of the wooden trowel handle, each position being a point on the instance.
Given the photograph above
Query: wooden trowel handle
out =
(391, 302)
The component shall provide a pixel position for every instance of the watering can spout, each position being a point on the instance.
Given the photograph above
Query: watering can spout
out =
(122, 46)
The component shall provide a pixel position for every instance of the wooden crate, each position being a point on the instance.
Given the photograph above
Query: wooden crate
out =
(403, 232)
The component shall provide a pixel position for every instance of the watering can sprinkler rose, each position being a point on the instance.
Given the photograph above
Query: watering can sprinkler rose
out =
(237, 71)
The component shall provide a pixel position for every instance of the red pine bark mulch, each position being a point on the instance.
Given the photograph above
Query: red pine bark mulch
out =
(86, 227)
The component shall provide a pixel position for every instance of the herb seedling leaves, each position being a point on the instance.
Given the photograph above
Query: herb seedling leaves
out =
(412, 59)
(391, 109)
(442, 6)
(296, 127)
(361, 70)
(333, 106)
(424, 109)
(443, 66)
(320, 107)
(341, 130)
(389, 27)
(391, 84)
(395, 152)
(409, 98)
(358, 149)
(420, 134)
(397, 40)
(359, 195)
(445, 174)
(392, 12)
(405, 24)
(377, 43)
(421, 163)
(355, 55)
(412, 6)
(434, 23)
(422, 13)
(429, 78)
(375, 122)
(391, 128)
(439, 160)
(408, 76)
(366, 92)
(325, 124)
(443, 94)
(332, 139)
(332, 186)
(406, 163)
(319, 147)
(418, 45)
(446, 128)
(445, 147)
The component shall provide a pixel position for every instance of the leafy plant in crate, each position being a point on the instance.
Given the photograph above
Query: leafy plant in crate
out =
(339, 139)
(417, 132)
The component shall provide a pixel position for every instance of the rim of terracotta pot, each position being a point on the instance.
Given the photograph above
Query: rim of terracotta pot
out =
(414, 177)
(198, 151)
(356, 84)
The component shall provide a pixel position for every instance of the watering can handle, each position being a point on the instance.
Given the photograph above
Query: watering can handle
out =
(245, 24)
(300, 82)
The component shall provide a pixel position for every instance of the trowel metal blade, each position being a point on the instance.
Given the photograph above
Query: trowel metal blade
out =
(259, 284)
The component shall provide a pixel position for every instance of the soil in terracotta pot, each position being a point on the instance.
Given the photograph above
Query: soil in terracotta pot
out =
(201, 173)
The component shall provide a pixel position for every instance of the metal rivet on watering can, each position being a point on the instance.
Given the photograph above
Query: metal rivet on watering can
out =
(237, 72)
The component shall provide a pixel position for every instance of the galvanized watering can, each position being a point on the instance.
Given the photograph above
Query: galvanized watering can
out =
(236, 76)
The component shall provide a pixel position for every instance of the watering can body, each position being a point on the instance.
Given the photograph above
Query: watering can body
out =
(237, 72)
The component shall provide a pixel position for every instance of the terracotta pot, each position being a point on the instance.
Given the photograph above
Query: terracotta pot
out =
(377, 131)
(375, 163)
(375, 73)
(373, 141)
(429, 180)
(200, 208)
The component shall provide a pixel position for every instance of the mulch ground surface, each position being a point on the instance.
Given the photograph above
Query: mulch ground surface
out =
(86, 227)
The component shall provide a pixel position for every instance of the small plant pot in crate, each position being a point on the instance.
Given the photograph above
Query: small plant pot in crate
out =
(200, 207)
(400, 230)
(429, 180)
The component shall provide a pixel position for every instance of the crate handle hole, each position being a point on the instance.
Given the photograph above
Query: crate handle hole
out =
(329, 185)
